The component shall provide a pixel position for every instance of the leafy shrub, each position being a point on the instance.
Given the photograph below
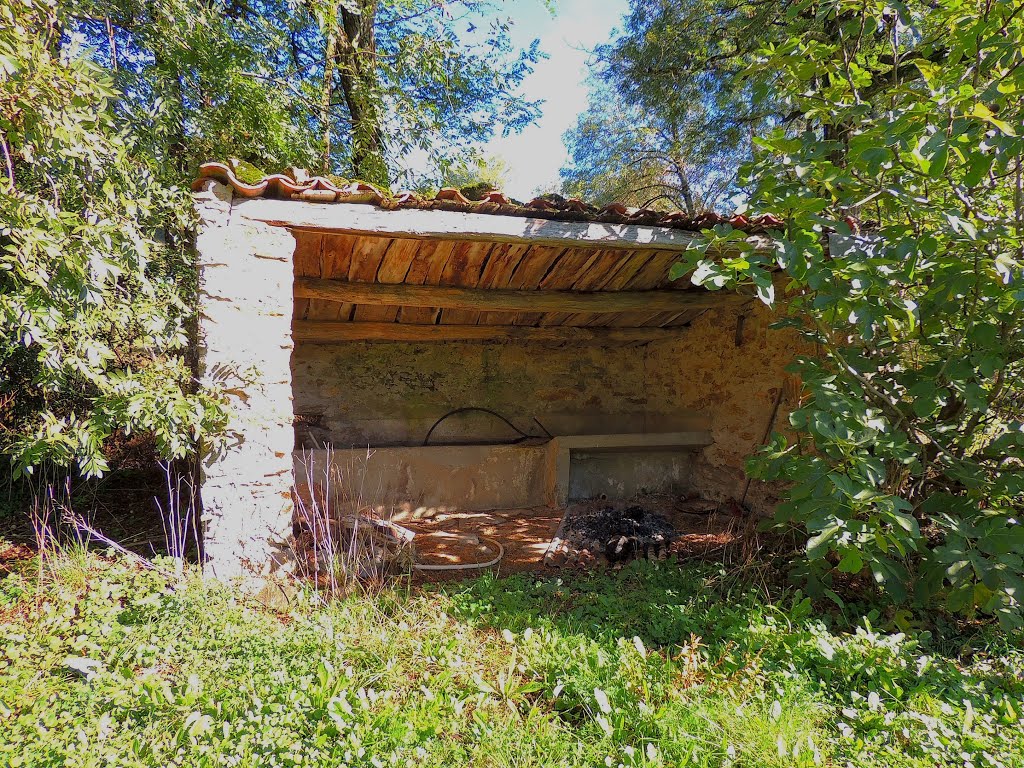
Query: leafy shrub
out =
(95, 277)
(910, 441)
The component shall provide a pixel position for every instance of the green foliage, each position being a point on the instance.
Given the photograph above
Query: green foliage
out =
(195, 81)
(644, 158)
(92, 319)
(336, 86)
(476, 175)
(907, 463)
(669, 123)
(447, 77)
(349, 87)
(103, 664)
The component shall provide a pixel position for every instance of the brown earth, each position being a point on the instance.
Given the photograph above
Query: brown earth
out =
(526, 533)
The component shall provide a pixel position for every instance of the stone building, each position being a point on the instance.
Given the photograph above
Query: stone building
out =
(447, 354)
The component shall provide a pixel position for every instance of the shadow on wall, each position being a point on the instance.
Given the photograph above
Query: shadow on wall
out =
(724, 375)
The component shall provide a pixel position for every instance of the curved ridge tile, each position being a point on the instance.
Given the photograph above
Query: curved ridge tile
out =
(298, 184)
(222, 173)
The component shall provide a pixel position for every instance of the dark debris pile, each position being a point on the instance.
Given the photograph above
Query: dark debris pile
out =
(620, 534)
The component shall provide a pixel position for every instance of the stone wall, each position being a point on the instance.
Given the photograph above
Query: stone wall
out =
(359, 394)
(245, 347)
(733, 379)
(356, 395)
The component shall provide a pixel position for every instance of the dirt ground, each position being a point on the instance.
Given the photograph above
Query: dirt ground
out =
(447, 537)
(442, 538)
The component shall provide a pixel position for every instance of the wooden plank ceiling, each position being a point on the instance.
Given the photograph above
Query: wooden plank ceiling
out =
(506, 268)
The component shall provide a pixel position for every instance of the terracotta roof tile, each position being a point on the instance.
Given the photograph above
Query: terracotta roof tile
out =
(496, 197)
(542, 204)
(450, 193)
(299, 185)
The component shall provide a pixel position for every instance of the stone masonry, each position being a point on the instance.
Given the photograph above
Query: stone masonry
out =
(245, 346)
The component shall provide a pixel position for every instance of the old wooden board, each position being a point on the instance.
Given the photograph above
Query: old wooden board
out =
(426, 268)
(619, 276)
(335, 260)
(328, 332)
(394, 266)
(306, 260)
(528, 275)
(572, 270)
(507, 300)
(366, 260)
(464, 269)
(653, 275)
(497, 273)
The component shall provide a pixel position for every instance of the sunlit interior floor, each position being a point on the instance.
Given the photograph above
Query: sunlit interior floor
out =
(454, 537)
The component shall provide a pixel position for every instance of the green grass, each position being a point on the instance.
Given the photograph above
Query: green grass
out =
(658, 665)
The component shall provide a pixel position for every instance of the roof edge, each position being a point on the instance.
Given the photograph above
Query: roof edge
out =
(318, 189)
(457, 225)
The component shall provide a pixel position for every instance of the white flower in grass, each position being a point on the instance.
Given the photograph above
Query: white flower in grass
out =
(602, 701)
(639, 645)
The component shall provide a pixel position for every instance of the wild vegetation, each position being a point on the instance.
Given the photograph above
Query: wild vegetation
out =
(887, 138)
(106, 110)
(102, 663)
(95, 279)
(908, 448)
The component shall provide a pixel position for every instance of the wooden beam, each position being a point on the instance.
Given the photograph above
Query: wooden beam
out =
(361, 219)
(330, 332)
(503, 300)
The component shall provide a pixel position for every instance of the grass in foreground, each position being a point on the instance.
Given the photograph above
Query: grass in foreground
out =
(658, 665)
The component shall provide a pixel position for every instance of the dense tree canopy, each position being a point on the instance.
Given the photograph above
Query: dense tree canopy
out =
(668, 104)
(348, 87)
(107, 108)
(644, 158)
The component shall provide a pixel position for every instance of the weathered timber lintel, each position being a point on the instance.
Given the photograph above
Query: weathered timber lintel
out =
(327, 332)
(495, 300)
(451, 225)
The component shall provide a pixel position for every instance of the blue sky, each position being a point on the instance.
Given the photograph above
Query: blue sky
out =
(536, 154)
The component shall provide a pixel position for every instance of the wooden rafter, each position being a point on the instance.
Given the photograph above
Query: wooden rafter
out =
(505, 300)
(333, 332)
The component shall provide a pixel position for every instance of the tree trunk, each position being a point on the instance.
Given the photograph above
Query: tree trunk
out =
(357, 51)
(678, 161)
(327, 92)
(684, 187)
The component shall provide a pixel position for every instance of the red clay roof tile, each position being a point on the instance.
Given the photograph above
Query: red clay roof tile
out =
(299, 185)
